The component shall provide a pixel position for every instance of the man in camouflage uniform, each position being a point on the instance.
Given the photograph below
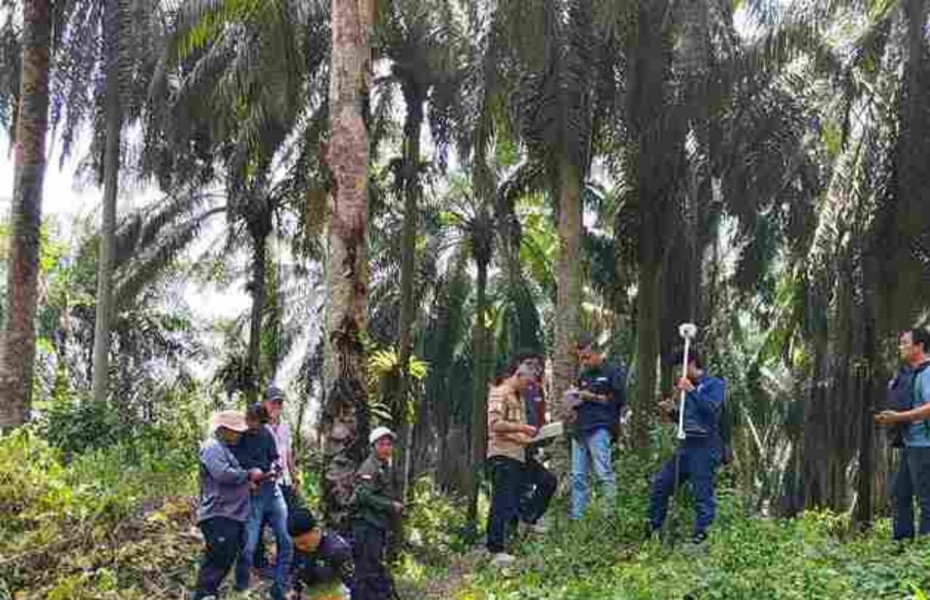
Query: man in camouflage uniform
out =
(374, 505)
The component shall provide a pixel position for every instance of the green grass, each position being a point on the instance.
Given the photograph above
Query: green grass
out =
(606, 558)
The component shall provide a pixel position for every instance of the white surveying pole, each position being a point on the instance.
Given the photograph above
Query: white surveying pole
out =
(687, 331)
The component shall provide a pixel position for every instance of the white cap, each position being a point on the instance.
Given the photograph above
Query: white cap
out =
(379, 432)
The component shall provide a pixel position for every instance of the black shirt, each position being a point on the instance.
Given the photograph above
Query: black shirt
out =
(256, 450)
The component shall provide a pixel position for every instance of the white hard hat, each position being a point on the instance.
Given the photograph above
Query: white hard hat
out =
(379, 432)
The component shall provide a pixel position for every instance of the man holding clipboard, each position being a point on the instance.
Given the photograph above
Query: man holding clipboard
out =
(508, 436)
(597, 400)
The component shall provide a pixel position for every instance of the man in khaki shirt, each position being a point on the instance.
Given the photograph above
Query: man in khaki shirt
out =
(508, 436)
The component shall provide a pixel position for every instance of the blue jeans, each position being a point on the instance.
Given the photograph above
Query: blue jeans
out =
(267, 504)
(912, 479)
(694, 460)
(592, 449)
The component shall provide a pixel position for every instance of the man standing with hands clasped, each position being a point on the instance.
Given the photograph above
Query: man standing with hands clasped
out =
(913, 476)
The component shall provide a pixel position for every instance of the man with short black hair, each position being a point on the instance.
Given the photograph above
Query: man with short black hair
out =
(319, 556)
(597, 399)
(698, 455)
(913, 476)
(256, 449)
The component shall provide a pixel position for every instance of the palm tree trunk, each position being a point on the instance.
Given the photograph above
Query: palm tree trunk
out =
(343, 425)
(19, 343)
(111, 161)
(478, 435)
(568, 272)
(411, 187)
(648, 322)
(259, 292)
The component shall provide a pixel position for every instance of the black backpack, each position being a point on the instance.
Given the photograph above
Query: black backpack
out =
(901, 398)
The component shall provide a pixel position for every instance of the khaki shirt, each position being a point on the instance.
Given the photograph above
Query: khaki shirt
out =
(506, 405)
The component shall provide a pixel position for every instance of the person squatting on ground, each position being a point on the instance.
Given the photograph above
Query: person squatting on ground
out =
(320, 556)
(911, 398)
(597, 400)
(374, 505)
(257, 450)
(224, 501)
(508, 437)
(697, 456)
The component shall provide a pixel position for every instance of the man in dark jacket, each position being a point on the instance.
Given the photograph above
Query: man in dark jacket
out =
(698, 455)
(374, 505)
(320, 556)
(257, 449)
(912, 413)
(597, 400)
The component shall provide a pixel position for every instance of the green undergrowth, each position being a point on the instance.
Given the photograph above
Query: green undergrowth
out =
(110, 523)
(606, 557)
(116, 523)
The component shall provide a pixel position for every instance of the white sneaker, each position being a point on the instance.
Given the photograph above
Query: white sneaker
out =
(502, 559)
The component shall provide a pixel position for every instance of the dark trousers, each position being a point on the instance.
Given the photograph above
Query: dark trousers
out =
(507, 476)
(912, 479)
(223, 539)
(694, 460)
(538, 487)
(371, 581)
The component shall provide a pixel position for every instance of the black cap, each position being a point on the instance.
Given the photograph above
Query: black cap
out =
(585, 340)
(274, 394)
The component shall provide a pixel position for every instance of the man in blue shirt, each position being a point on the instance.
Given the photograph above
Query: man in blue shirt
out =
(698, 455)
(597, 400)
(913, 476)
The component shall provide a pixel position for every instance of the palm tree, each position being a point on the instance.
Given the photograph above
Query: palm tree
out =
(19, 341)
(132, 37)
(262, 72)
(111, 164)
(422, 42)
(343, 424)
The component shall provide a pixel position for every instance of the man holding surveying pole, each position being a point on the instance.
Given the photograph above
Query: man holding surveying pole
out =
(700, 446)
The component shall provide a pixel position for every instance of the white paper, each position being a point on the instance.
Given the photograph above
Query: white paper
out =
(549, 430)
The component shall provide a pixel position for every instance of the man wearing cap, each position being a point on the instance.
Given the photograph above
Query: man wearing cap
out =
(597, 399)
(273, 404)
(374, 505)
(224, 501)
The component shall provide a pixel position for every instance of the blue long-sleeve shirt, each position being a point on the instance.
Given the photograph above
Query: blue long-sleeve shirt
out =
(703, 408)
(224, 485)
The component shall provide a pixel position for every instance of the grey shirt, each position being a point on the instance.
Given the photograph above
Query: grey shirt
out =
(224, 487)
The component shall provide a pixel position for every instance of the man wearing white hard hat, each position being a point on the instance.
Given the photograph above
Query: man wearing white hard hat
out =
(224, 500)
(374, 505)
